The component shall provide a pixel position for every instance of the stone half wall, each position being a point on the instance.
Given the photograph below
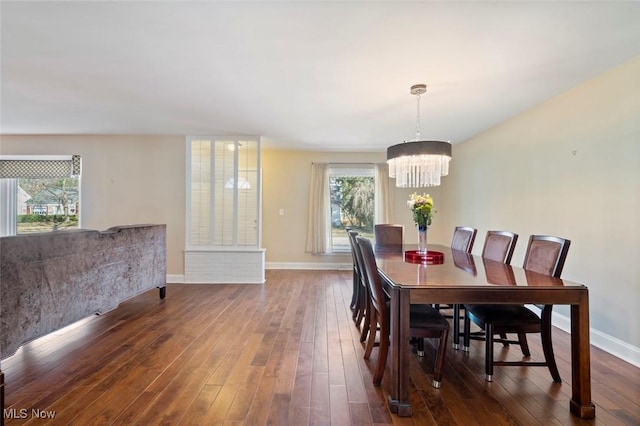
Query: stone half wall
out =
(50, 280)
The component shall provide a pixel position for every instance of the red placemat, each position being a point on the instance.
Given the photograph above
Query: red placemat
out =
(430, 257)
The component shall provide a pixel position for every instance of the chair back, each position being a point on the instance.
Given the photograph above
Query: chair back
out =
(388, 236)
(499, 246)
(352, 241)
(463, 238)
(546, 254)
(376, 293)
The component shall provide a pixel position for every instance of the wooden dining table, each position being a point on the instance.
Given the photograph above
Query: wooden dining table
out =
(453, 277)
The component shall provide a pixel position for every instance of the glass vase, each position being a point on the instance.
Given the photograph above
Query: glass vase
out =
(422, 239)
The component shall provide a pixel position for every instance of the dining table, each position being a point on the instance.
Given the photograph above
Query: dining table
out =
(446, 276)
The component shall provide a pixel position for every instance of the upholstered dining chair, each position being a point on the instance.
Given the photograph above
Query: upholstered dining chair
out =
(388, 237)
(498, 247)
(425, 322)
(545, 255)
(364, 295)
(462, 241)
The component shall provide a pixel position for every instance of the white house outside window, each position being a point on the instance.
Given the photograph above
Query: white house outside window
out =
(39, 193)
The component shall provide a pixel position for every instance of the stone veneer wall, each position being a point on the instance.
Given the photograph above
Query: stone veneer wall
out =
(50, 280)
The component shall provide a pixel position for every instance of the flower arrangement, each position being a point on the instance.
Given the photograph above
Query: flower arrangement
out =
(422, 208)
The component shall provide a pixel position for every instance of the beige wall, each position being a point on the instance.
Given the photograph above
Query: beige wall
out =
(286, 185)
(570, 167)
(125, 180)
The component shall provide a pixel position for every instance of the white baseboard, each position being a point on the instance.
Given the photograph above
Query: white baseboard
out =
(310, 266)
(179, 279)
(610, 344)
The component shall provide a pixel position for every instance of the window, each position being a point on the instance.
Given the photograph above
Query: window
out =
(223, 211)
(352, 196)
(223, 192)
(39, 193)
(345, 195)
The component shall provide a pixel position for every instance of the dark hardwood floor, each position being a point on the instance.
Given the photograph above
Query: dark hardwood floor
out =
(286, 353)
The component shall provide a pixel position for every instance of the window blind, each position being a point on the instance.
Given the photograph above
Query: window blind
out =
(40, 169)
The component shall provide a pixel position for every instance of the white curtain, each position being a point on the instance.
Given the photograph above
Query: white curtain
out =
(384, 198)
(317, 225)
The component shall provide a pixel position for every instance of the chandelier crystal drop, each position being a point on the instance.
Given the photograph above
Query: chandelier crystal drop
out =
(419, 163)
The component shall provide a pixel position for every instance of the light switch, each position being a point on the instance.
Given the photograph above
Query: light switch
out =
(281, 212)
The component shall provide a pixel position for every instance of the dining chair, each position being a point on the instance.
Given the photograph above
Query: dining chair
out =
(359, 296)
(545, 255)
(462, 241)
(425, 322)
(364, 296)
(354, 294)
(388, 237)
(498, 247)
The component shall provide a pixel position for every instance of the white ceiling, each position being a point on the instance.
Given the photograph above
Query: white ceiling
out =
(310, 75)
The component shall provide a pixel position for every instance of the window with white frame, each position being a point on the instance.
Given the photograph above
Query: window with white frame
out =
(39, 193)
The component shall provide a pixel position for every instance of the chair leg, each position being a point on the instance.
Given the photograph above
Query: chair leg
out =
(371, 341)
(488, 361)
(456, 326)
(442, 349)
(466, 338)
(547, 345)
(367, 321)
(362, 300)
(354, 296)
(503, 336)
(420, 350)
(522, 339)
(383, 350)
(356, 305)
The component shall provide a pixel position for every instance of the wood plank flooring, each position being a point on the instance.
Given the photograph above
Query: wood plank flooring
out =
(285, 353)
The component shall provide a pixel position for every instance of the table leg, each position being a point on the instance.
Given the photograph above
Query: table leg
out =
(456, 326)
(400, 334)
(581, 404)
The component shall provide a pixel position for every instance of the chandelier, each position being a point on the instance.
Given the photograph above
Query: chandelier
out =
(418, 163)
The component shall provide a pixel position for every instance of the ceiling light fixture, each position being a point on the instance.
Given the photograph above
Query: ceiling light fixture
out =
(418, 163)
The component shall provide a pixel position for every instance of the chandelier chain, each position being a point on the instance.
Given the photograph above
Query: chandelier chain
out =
(418, 119)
